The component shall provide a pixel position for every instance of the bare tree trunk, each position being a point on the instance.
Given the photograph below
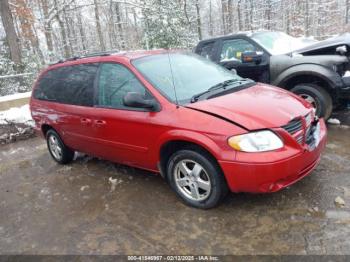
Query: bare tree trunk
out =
(81, 30)
(347, 11)
(98, 27)
(27, 20)
(230, 15)
(135, 23)
(47, 25)
(199, 25)
(69, 26)
(62, 32)
(223, 16)
(307, 18)
(210, 19)
(120, 27)
(186, 14)
(251, 13)
(11, 35)
(239, 12)
(268, 14)
(287, 18)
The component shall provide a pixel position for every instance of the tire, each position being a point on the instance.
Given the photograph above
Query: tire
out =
(317, 96)
(58, 150)
(208, 185)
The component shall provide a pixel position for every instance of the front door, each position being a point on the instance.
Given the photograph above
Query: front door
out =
(124, 134)
(230, 57)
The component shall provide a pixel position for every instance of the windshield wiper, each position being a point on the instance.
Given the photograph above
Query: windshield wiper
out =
(218, 86)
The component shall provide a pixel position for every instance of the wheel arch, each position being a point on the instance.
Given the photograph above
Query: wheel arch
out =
(309, 74)
(45, 128)
(167, 146)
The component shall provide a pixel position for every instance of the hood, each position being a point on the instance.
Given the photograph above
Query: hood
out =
(326, 47)
(258, 107)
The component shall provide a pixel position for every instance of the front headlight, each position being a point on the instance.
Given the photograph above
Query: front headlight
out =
(259, 141)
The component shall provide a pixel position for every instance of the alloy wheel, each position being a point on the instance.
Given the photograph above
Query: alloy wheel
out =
(310, 99)
(55, 147)
(192, 180)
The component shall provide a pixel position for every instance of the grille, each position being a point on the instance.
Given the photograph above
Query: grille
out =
(308, 119)
(293, 126)
(300, 138)
(300, 132)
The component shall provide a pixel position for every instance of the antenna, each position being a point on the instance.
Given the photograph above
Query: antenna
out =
(172, 78)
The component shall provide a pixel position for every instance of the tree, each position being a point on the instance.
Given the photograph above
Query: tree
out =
(47, 25)
(98, 26)
(11, 35)
(347, 12)
(28, 32)
(199, 24)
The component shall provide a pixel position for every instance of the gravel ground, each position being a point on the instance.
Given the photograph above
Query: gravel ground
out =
(47, 208)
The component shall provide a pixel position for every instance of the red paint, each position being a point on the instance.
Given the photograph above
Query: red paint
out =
(135, 138)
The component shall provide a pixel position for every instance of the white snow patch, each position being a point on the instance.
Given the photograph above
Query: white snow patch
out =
(84, 187)
(17, 115)
(114, 182)
(333, 121)
(15, 96)
(347, 73)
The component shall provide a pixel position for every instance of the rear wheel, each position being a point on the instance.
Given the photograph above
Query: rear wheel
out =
(196, 178)
(58, 150)
(317, 96)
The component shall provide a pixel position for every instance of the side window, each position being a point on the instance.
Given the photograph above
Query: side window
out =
(206, 50)
(115, 81)
(69, 85)
(232, 49)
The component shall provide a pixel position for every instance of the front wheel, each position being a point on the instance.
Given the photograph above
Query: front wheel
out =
(317, 96)
(196, 178)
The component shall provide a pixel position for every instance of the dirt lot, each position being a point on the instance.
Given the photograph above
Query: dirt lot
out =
(51, 209)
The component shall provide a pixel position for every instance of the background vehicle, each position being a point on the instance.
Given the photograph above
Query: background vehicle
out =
(313, 70)
(204, 128)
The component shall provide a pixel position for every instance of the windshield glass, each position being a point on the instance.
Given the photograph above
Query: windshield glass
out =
(278, 43)
(189, 73)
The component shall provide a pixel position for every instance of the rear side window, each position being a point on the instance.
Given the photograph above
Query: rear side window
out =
(206, 50)
(69, 85)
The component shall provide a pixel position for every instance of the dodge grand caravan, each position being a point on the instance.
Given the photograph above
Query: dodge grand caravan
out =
(203, 128)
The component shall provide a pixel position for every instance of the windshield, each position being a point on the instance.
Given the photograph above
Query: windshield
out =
(278, 43)
(189, 73)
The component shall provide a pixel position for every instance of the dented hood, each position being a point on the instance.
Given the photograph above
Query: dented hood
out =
(260, 106)
(327, 46)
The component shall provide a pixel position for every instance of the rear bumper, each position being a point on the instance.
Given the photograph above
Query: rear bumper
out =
(273, 176)
(38, 131)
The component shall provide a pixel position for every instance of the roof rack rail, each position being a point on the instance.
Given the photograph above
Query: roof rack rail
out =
(103, 53)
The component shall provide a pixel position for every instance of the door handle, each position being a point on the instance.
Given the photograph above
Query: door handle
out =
(100, 122)
(85, 121)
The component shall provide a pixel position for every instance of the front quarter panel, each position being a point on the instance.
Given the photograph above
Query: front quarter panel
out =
(284, 67)
(202, 129)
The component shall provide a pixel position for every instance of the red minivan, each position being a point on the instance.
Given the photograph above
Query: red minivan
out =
(203, 128)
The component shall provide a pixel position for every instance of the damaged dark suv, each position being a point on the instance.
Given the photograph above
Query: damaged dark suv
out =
(315, 70)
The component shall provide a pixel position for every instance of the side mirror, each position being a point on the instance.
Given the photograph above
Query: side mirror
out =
(134, 99)
(251, 57)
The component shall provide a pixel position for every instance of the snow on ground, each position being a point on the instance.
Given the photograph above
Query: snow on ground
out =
(15, 96)
(17, 115)
(347, 73)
